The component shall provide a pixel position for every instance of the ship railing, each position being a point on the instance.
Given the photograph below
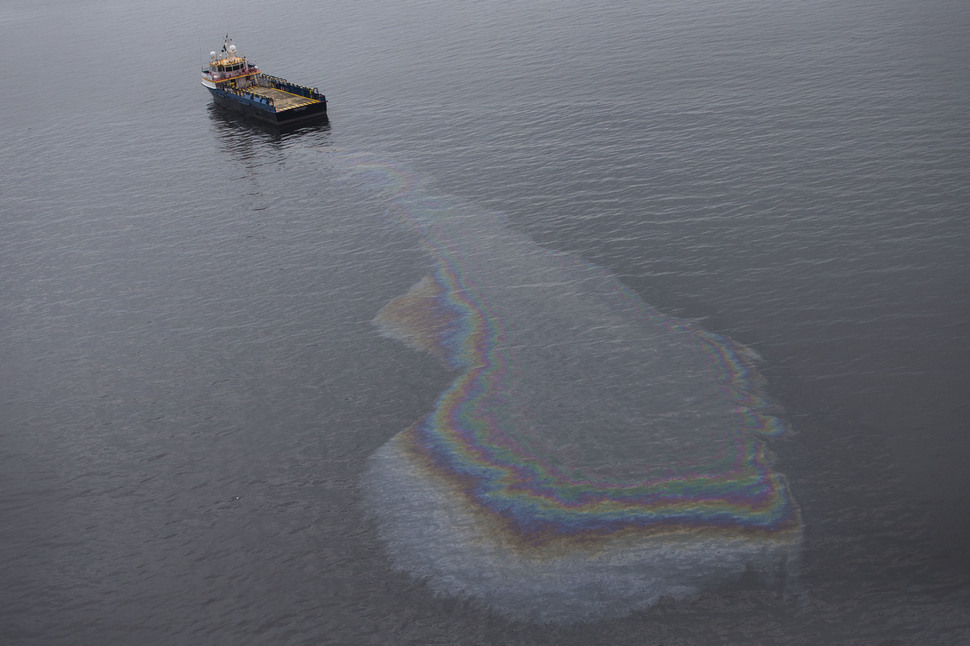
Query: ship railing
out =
(255, 98)
(292, 88)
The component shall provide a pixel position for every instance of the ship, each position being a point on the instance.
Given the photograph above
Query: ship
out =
(238, 84)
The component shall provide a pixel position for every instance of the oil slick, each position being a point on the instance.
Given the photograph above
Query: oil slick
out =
(591, 456)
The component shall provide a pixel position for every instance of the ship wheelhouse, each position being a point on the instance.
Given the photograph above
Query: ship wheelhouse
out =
(228, 66)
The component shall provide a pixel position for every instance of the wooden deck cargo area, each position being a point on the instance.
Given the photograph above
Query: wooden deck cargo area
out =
(282, 100)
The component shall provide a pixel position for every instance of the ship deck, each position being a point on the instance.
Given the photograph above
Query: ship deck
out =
(282, 100)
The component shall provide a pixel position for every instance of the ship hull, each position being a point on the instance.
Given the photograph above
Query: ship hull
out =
(266, 114)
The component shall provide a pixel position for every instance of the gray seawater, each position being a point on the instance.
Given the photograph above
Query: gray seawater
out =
(191, 386)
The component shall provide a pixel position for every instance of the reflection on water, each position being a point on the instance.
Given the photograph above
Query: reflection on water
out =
(246, 137)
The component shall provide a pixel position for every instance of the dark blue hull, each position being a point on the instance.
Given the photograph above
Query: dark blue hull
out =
(254, 106)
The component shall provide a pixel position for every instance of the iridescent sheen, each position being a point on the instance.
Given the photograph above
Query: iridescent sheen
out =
(586, 437)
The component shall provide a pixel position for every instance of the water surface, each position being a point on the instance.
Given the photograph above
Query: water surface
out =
(193, 390)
